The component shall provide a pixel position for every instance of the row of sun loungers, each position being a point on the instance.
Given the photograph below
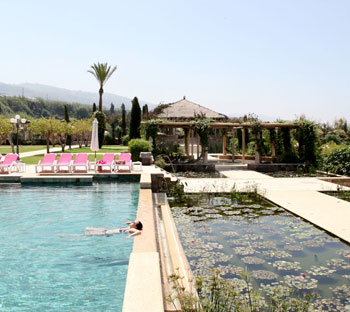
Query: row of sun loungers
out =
(67, 163)
(8, 163)
(81, 163)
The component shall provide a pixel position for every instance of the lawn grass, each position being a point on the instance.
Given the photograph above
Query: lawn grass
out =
(6, 149)
(104, 149)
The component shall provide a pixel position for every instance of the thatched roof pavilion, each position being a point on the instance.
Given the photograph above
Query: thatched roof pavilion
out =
(187, 110)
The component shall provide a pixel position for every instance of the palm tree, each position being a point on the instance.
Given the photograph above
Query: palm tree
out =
(102, 73)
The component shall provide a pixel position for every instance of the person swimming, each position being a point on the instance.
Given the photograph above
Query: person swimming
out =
(135, 228)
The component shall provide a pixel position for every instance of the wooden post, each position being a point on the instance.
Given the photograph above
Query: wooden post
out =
(197, 136)
(187, 140)
(243, 146)
(233, 144)
(224, 142)
(257, 153)
(192, 131)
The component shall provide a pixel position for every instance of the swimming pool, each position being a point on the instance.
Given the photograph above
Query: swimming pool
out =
(45, 265)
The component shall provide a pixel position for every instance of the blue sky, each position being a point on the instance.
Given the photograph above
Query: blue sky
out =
(278, 58)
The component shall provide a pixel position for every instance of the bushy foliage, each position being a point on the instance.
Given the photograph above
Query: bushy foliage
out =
(338, 161)
(136, 146)
(125, 139)
(216, 294)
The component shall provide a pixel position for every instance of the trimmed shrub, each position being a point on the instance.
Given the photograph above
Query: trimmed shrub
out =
(125, 139)
(338, 161)
(136, 146)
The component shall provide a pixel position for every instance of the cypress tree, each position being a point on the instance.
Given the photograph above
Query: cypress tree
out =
(111, 110)
(123, 124)
(94, 108)
(66, 118)
(135, 119)
(145, 111)
(66, 115)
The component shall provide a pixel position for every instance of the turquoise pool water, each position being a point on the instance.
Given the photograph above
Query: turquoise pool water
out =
(40, 270)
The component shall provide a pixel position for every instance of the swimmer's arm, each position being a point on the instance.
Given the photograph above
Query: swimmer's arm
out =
(127, 222)
(134, 232)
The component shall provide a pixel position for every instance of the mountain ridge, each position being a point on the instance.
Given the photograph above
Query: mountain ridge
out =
(36, 90)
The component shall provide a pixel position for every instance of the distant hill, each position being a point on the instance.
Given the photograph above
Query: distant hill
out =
(31, 90)
(35, 108)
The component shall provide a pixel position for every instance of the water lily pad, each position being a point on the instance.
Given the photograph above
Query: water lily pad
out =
(338, 264)
(320, 271)
(282, 265)
(264, 245)
(244, 251)
(344, 253)
(264, 275)
(300, 282)
(230, 233)
(253, 260)
(277, 254)
(294, 248)
(253, 237)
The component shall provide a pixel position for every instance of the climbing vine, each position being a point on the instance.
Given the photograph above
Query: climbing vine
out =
(256, 130)
(152, 129)
(202, 127)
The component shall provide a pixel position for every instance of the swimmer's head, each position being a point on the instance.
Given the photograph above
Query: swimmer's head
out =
(139, 225)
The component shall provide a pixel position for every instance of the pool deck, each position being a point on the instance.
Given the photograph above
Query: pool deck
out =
(301, 196)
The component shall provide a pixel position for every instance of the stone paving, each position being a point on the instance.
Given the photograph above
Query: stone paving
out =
(301, 196)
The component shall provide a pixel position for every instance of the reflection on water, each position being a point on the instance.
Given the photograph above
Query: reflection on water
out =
(278, 249)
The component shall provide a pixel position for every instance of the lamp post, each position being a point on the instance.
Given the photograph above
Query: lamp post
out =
(19, 125)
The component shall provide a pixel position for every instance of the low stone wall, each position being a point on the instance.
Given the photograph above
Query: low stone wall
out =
(344, 181)
(274, 167)
(197, 167)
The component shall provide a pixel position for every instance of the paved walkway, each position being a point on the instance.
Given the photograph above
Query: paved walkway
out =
(43, 151)
(301, 196)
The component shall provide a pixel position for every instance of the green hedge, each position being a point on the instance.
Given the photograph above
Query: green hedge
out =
(338, 161)
(136, 146)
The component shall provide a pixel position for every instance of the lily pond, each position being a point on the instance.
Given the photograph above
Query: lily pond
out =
(279, 251)
(344, 195)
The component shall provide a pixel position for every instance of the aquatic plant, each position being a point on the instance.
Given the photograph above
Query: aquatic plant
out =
(302, 282)
(244, 251)
(293, 248)
(320, 271)
(253, 260)
(278, 254)
(338, 264)
(282, 265)
(264, 275)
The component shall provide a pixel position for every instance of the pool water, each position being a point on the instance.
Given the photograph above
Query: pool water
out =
(277, 249)
(46, 265)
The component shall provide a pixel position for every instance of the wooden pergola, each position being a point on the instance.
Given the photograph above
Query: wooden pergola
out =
(231, 127)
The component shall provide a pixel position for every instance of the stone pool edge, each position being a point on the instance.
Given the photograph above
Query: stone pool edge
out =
(143, 289)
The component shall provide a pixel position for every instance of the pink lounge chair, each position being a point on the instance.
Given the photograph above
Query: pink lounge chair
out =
(81, 160)
(9, 163)
(49, 162)
(108, 160)
(124, 160)
(66, 160)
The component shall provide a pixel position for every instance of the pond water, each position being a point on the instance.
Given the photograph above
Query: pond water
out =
(46, 264)
(344, 195)
(278, 249)
(294, 174)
